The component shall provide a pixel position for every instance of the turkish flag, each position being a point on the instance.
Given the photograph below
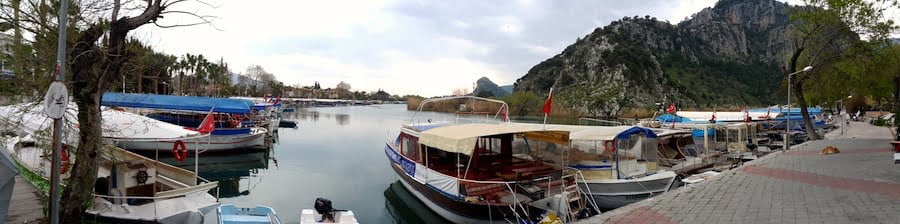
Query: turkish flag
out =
(208, 124)
(549, 104)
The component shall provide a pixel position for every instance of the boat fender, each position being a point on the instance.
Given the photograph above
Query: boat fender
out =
(64, 158)
(182, 155)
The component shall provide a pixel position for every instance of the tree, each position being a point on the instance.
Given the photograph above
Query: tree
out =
(823, 31)
(460, 91)
(96, 54)
(523, 102)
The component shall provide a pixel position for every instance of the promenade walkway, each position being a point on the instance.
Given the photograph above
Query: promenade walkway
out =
(26, 205)
(859, 185)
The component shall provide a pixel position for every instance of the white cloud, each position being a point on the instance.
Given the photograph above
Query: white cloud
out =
(405, 47)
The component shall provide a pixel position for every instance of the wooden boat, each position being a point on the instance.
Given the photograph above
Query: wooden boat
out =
(130, 188)
(468, 173)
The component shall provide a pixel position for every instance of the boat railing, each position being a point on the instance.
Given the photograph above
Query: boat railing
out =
(501, 113)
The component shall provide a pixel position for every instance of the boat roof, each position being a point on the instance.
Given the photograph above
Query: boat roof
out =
(30, 118)
(172, 102)
(462, 138)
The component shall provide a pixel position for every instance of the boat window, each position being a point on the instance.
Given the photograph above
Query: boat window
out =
(409, 148)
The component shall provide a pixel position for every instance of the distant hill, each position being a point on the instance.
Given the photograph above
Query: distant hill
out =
(507, 88)
(730, 54)
(486, 87)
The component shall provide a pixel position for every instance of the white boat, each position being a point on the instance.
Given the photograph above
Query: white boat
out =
(325, 213)
(619, 164)
(143, 191)
(255, 138)
(229, 214)
(132, 131)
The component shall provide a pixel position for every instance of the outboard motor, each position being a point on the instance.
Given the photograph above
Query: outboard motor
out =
(323, 206)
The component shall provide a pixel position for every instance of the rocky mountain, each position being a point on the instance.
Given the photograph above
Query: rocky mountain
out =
(486, 87)
(730, 54)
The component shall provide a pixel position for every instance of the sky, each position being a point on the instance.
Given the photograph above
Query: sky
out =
(416, 47)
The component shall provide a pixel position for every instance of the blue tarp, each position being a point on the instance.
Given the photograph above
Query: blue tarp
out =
(636, 130)
(670, 118)
(811, 110)
(170, 102)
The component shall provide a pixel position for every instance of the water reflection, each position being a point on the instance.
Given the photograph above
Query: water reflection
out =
(342, 119)
(402, 207)
(230, 170)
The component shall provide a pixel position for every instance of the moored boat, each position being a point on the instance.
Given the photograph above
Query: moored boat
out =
(232, 129)
(130, 188)
(619, 163)
(468, 173)
(229, 214)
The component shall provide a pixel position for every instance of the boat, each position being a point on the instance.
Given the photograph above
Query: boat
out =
(232, 130)
(323, 212)
(468, 173)
(228, 214)
(287, 124)
(619, 164)
(132, 131)
(130, 188)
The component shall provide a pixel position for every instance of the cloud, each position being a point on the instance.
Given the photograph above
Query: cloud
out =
(423, 47)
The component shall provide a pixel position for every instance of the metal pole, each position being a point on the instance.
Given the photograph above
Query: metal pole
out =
(57, 123)
(787, 135)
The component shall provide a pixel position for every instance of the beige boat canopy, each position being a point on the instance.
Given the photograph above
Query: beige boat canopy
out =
(462, 138)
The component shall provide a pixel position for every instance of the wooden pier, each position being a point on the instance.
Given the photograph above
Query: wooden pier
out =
(26, 205)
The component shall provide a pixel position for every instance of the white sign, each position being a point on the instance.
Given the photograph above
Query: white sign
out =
(56, 100)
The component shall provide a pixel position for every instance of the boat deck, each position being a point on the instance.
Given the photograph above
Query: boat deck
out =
(26, 205)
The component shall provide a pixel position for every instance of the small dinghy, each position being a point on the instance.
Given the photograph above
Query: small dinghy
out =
(325, 213)
(228, 214)
(287, 124)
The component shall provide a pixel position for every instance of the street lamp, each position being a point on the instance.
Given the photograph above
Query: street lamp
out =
(787, 135)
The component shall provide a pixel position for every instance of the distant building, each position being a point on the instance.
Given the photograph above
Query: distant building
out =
(6, 44)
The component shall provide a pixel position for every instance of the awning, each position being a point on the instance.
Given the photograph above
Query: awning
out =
(170, 102)
(461, 138)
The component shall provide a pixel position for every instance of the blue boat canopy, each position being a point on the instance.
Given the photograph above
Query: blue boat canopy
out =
(170, 102)
(636, 130)
(671, 118)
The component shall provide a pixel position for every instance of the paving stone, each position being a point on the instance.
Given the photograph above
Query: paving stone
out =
(858, 185)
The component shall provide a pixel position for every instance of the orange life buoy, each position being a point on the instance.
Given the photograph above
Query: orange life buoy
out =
(64, 166)
(180, 157)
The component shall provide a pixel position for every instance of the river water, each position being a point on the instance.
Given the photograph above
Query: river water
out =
(335, 153)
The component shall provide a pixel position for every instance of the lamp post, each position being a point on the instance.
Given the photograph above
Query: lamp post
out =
(787, 127)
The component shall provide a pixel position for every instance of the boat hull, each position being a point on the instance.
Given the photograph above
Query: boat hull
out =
(210, 143)
(611, 194)
(457, 211)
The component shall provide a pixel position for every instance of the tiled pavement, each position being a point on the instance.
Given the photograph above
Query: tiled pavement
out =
(859, 185)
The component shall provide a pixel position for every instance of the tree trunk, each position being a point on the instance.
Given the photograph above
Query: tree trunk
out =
(801, 101)
(80, 186)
